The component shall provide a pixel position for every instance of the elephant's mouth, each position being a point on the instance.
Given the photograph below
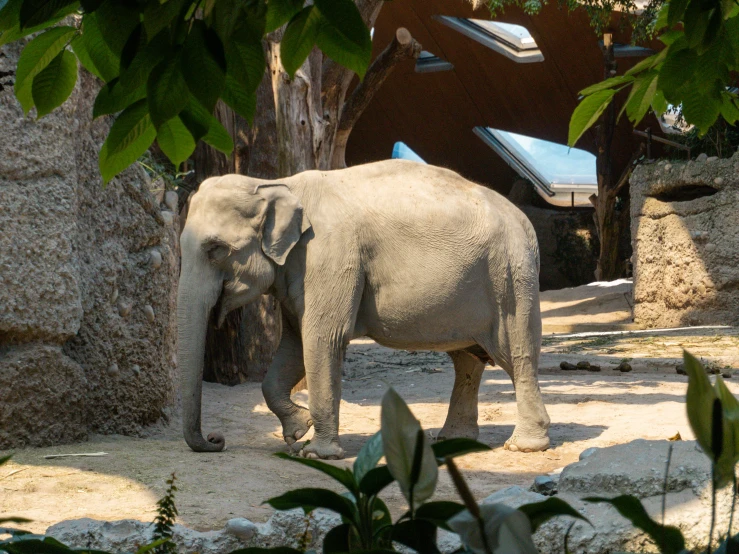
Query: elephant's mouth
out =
(234, 295)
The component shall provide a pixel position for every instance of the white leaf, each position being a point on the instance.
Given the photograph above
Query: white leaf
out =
(507, 531)
(399, 434)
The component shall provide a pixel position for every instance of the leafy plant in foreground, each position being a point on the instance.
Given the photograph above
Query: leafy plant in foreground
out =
(165, 64)
(695, 70)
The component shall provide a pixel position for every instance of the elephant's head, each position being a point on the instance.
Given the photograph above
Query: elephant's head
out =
(238, 230)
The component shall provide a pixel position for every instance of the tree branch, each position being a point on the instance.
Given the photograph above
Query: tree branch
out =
(337, 78)
(628, 170)
(403, 47)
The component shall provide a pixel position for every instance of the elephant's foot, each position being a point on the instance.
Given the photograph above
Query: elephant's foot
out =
(296, 425)
(324, 450)
(458, 431)
(522, 443)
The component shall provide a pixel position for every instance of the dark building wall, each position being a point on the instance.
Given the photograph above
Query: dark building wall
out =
(434, 113)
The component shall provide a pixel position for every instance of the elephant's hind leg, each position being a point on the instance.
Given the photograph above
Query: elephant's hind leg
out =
(461, 420)
(284, 373)
(516, 350)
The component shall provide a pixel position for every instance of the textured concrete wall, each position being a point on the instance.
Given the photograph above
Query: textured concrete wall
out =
(685, 235)
(87, 280)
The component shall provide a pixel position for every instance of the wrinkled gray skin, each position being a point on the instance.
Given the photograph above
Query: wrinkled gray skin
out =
(413, 256)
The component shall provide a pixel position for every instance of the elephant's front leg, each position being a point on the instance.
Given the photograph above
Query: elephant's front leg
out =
(286, 371)
(323, 358)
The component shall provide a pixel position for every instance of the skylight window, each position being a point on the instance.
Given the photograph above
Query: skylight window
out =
(561, 175)
(401, 151)
(430, 63)
(513, 41)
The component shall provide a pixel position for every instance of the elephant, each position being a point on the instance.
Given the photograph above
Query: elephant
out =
(413, 256)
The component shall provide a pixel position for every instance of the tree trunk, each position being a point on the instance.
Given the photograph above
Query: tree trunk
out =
(610, 265)
(242, 349)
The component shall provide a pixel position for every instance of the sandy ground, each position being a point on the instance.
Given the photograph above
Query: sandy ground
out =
(587, 409)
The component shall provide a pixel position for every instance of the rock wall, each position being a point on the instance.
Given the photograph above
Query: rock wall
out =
(685, 231)
(566, 245)
(87, 280)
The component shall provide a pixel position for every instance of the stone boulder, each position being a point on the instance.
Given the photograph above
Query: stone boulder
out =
(636, 468)
(87, 279)
(289, 528)
(684, 229)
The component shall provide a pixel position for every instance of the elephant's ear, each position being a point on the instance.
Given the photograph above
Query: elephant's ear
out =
(284, 221)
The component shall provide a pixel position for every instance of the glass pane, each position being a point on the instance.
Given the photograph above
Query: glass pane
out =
(557, 163)
(517, 35)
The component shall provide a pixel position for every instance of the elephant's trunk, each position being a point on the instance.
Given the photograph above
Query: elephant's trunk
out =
(197, 294)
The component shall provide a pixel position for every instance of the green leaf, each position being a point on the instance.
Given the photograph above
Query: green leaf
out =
(166, 91)
(129, 137)
(672, 73)
(662, 17)
(112, 98)
(375, 480)
(452, 448)
(399, 439)
(37, 12)
(5, 459)
(668, 539)
(218, 137)
(729, 108)
(117, 21)
(342, 475)
(135, 42)
(337, 539)
(310, 499)
(299, 39)
(700, 108)
(369, 456)
(343, 36)
(159, 15)
(587, 113)
(243, 103)
(647, 63)
(699, 401)
(541, 512)
(152, 545)
(35, 544)
(55, 83)
(439, 512)
(642, 94)
(418, 534)
(175, 141)
(280, 12)
(246, 63)
(146, 59)
(93, 52)
(613, 82)
(10, 14)
(675, 11)
(204, 64)
(344, 17)
(696, 22)
(35, 57)
(730, 434)
(659, 103)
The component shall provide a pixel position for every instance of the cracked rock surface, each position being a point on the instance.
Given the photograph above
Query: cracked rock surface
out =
(72, 252)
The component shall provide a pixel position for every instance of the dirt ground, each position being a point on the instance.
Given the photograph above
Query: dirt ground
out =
(586, 408)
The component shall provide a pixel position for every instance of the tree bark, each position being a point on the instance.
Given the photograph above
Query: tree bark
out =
(610, 265)
(403, 47)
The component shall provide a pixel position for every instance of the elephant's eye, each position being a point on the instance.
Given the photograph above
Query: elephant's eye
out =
(217, 251)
